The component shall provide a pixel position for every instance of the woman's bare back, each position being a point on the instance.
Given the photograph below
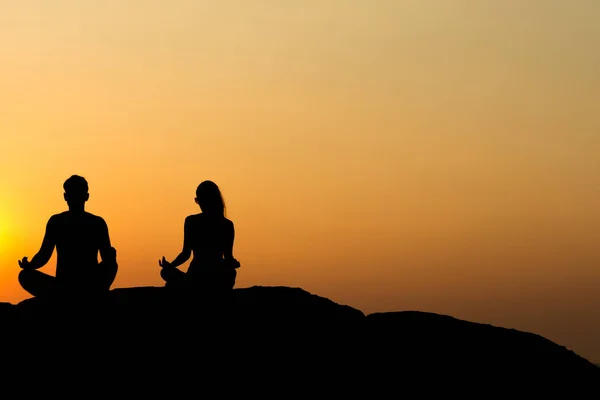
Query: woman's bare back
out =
(210, 238)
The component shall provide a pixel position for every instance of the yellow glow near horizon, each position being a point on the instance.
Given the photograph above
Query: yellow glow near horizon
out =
(7, 228)
(4, 232)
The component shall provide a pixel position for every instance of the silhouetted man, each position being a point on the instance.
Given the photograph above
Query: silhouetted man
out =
(78, 237)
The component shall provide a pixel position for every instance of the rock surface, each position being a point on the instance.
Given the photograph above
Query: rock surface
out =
(153, 337)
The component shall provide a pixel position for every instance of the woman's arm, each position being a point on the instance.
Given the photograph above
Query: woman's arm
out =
(186, 251)
(181, 258)
(228, 251)
(229, 238)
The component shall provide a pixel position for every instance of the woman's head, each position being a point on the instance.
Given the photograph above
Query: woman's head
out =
(209, 198)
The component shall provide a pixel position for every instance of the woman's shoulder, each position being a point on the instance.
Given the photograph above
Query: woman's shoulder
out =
(211, 219)
(223, 222)
(192, 217)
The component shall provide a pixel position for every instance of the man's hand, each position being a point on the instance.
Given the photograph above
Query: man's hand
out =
(233, 263)
(24, 263)
(164, 263)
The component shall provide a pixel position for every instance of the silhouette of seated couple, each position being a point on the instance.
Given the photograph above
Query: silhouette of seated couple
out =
(80, 236)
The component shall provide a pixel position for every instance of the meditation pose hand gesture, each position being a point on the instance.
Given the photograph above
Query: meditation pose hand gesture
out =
(164, 263)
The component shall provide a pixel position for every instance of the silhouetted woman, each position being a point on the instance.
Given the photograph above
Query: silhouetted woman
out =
(209, 237)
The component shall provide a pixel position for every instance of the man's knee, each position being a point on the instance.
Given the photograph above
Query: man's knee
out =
(112, 268)
(37, 283)
(108, 268)
(25, 277)
(231, 278)
(111, 255)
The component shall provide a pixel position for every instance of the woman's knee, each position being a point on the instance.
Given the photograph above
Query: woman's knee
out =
(171, 274)
(164, 274)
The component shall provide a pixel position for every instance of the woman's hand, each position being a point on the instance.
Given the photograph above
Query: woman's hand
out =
(164, 263)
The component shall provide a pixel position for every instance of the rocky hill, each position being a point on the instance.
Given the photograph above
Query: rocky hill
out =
(155, 338)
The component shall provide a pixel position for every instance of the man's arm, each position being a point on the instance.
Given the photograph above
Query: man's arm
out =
(107, 253)
(43, 255)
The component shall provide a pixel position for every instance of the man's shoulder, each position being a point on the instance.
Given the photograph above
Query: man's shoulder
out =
(90, 218)
(95, 218)
(64, 219)
(58, 217)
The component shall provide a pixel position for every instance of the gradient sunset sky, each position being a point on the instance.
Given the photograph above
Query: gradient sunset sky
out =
(390, 155)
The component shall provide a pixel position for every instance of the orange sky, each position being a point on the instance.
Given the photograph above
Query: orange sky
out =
(390, 155)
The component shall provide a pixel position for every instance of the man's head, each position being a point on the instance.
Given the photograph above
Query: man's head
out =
(76, 191)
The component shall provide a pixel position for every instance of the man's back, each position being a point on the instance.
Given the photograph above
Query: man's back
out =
(79, 236)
